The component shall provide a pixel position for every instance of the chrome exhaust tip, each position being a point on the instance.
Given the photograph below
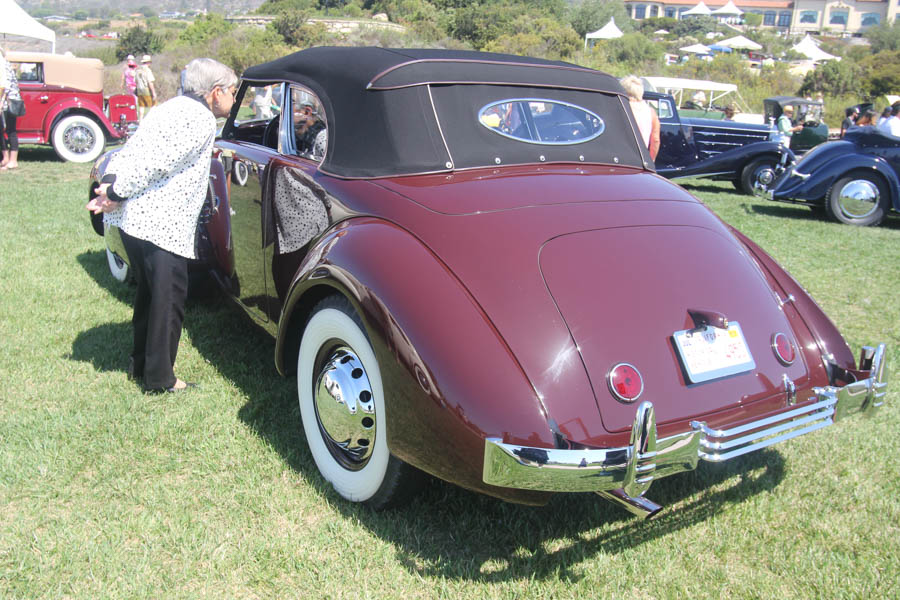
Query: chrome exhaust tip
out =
(636, 505)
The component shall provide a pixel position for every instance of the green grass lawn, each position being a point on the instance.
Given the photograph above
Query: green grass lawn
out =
(108, 493)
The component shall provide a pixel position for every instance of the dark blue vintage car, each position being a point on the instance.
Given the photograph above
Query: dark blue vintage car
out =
(744, 153)
(855, 178)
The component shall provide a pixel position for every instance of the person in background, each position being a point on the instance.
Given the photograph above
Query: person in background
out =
(9, 92)
(144, 88)
(263, 105)
(153, 190)
(852, 114)
(646, 117)
(786, 126)
(868, 118)
(128, 73)
(891, 125)
(730, 112)
(885, 115)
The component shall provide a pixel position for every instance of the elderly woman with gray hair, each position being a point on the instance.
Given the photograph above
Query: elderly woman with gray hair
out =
(647, 120)
(153, 191)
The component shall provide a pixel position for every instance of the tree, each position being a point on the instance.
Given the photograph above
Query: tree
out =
(834, 78)
(205, 28)
(882, 73)
(884, 36)
(296, 30)
(137, 40)
(590, 15)
(537, 36)
(631, 53)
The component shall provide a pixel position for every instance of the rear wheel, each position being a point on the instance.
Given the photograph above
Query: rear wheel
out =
(78, 138)
(858, 199)
(343, 409)
(758, 174)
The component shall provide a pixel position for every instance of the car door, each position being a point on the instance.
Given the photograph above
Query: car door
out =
(37, 98)
(267, 167)
(676, 147)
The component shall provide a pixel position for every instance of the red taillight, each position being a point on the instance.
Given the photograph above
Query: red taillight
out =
(784, 349)
(625, 382)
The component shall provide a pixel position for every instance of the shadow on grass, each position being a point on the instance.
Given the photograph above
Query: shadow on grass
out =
(42, 154)
(446, 531)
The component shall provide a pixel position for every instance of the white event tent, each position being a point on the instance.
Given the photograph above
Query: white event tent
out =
(696, 49)
(808, 48)
(739, 42)
(729, 10)
(17, 22)
(607, 32)
(698, 11)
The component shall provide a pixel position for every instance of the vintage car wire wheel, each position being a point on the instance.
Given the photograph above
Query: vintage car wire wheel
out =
(858, 199)
(78, 138)
(117, 267)
(343, 410)
(759, 174)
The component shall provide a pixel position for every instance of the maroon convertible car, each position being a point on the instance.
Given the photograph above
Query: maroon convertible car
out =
(471, 267)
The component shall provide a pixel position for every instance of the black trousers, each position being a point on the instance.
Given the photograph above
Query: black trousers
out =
(8, 127)
(162, 283)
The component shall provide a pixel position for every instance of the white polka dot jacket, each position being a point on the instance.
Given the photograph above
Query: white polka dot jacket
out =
(160, 176)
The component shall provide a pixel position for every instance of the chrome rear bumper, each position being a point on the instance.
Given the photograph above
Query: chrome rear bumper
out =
(631, 469)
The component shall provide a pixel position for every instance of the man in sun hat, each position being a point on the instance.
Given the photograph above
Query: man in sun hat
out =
(144, 88)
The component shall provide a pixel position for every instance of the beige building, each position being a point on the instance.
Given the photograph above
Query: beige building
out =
(847, 17)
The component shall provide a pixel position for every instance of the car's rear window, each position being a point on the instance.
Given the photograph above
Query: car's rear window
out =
(541, 121)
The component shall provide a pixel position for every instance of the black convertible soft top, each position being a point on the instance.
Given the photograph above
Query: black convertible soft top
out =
(403, 111)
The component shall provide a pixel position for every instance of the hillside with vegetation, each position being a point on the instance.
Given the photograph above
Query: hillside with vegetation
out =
(552, 29)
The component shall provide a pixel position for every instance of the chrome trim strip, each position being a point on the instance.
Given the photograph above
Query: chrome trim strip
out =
(631, 469)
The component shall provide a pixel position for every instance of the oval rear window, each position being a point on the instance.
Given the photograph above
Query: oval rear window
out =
(539, 121)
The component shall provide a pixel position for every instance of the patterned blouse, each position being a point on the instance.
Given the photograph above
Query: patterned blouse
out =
(161, 175)
(8, 81)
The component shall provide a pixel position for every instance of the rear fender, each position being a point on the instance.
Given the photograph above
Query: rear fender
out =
(449, 377)
(825, 175)
(829, 344)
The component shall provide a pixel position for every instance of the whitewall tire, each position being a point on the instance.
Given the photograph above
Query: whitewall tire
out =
(78, 138)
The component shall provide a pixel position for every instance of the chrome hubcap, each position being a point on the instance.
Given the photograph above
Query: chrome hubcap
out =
(764, 178)
(78, 138)
(859, 199)
(345, 408)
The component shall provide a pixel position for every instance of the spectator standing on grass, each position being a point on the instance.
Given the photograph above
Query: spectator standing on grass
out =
(9, 94)
(128, 74)
(647, 120)
(146, 91)
(851, 114)
(786, 125)
(153, 191)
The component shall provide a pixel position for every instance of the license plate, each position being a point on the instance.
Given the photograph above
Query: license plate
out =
(712, 353)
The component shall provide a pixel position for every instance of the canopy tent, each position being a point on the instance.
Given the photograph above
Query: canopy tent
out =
(739, 42)
(661, 32)
(698, 11)
(17, 22)
(607, 32)
(808, 48)
(729, 10)
(676, 86)
(696, 49)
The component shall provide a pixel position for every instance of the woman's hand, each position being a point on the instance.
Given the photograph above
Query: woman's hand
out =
(101, 202)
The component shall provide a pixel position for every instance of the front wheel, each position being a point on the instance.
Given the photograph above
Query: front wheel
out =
(343, 409)
(758, 175)
(117, 267)
(858, 199)
(78, 138)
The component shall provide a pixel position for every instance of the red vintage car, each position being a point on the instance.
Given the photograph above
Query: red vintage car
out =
(65, 106)
(482, 278)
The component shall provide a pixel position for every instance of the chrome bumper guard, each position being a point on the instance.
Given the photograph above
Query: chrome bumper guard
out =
(628, 471)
